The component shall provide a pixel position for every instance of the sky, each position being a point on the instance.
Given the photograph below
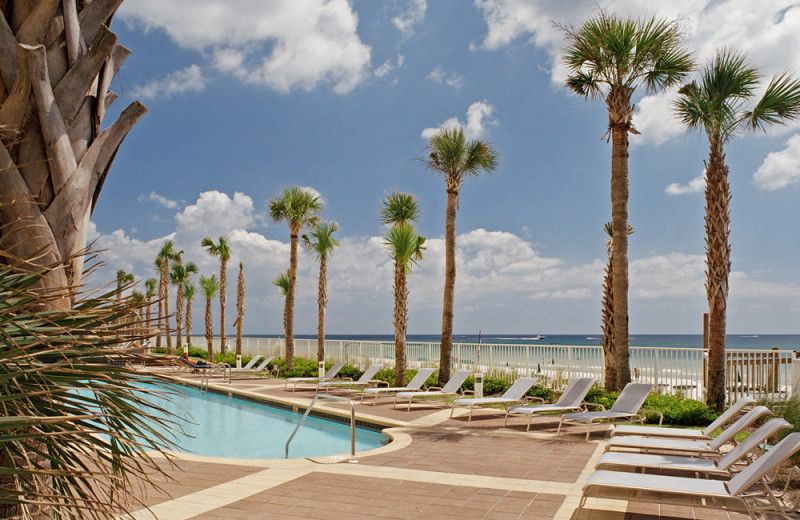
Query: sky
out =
(247, 97)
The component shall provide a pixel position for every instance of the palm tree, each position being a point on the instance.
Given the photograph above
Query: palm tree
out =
(151, 284)
(178, 276)
(188, 294)
(64, 404)
(123, 279)
(321, 243)
(454, 158)
(282, 283)
(209, 285)
(609, 57)
(165, 255)
(717, 104)
(137, 302)
(406, 247)
(609, 357)
(223, 251)
(239, 309)
(300, 208)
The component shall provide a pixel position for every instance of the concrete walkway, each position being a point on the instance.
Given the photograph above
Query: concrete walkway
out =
(436, 468)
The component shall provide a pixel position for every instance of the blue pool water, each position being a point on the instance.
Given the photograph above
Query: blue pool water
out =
(222, 426)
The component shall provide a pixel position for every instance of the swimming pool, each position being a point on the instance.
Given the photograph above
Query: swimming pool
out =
(222, 426)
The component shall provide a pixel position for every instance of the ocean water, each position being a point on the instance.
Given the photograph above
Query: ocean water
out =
(744, 341)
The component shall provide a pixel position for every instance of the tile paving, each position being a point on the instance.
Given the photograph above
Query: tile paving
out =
(439, 468)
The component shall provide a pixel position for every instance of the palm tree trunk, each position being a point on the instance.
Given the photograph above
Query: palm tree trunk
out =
(610, 381)
(167, 330)
(322, 302)
(449, 286)
(718, 263)
(179, 316)
(160, 309)
(209, 331)
(239, 309)
(223, 290)
(620, 112)
(288, 325)
(189, 323)
(400, 323)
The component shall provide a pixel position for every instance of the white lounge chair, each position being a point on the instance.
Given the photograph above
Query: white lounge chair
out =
(515, 394)
(570, 400)
(687, 433)
(737, 494)
(625, 408)
(251, 369)
(696, 447)
(628, 461)
(414, 385)
(348, 384)
(449, 390)
(251, 364)
(330, 374)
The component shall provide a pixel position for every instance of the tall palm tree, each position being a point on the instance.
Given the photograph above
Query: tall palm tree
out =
(152, 285)
(123, 279)
(178, 276)
(223, 251)
(610, 383)
(718, 105)
(610, 57)
(189, 290)
(239, 309)
(282, 283)
(406, 248)
(453, 157)
(321, 243)
(209, 285)
(165, 255)
(300, 208)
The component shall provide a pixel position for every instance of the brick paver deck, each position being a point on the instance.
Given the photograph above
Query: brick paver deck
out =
(451, 469)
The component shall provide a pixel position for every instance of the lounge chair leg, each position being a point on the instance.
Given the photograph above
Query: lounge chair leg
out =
(452, 409)
(505, 420)
(529, 423)
(560, 422)
(471, 409)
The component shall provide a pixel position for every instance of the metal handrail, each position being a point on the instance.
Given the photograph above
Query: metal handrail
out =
(205, 375)
(352, 423)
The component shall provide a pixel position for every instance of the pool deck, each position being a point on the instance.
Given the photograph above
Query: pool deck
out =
(436, 468)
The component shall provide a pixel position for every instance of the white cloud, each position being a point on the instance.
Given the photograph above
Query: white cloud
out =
(479, 119)
(412, 16)
(781, 168)
(160, 199)
(696, 185)
(388, 66)
(443, 77)
(215, 213)
(282, 44)
(190, 79)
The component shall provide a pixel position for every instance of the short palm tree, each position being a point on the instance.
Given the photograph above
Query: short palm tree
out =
(179, 275)
(189, 290)
(137, 302)
(608, 57)
(300, 208)
(239, 309)
(406, 248)
(282, 283)
(152, 285)
(610, 383)
(453, 157)
(165, 255)
(223, 250)
(123, 279)
(209, 285)
(65, 403)
(718, 105)
(320, 242)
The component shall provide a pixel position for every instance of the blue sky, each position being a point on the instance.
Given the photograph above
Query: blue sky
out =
(250, 96)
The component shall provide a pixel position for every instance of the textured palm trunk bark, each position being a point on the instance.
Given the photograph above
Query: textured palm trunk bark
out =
(610, 380)
(620, 112)
(322, 302)
(165, 303)
(449, 286)
(288, 326)
(239, 309)
(718, 265)
(223, 290)
(179, 317)
(189, 323)
(209, 331)
(400, 323)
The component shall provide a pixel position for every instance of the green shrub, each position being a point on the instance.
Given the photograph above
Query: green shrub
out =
(678, 410)
(351, 372)
(788, 409)
(302, 368)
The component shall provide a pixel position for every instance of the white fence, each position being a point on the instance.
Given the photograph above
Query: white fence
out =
(758, 373)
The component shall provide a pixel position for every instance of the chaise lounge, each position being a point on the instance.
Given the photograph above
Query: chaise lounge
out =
(514, 394)
(570, 400)
(329, 375)
(449, 390)
(413, 386)
(348, 384)
(626, 408)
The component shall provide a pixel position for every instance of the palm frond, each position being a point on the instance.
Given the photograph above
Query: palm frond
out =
(781, 102)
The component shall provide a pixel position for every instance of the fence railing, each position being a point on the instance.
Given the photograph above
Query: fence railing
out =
(759, 373)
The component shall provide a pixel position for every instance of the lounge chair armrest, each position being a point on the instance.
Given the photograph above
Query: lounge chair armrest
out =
(595, 405)
(529, 398)
(469, 392)
(382, 383)
(434, 388)
(346, 379)
(660, 415)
